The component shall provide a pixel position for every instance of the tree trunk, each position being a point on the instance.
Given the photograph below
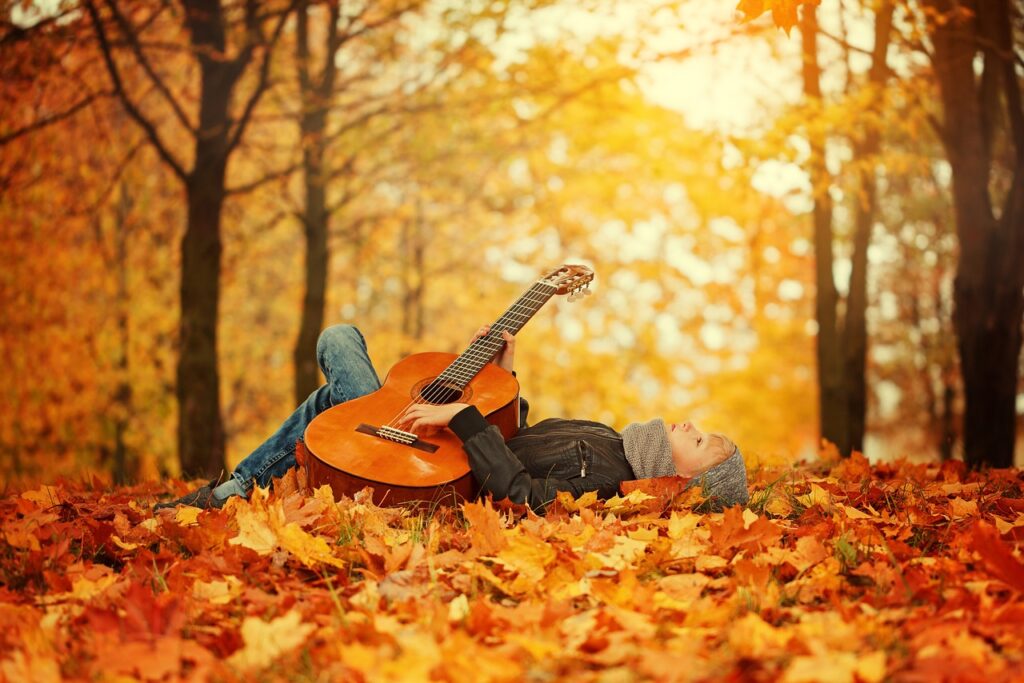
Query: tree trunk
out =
(414, 280)
(316, 96)
(855, 331)
(831, 397)
(200, 424)
(307, 372)
(989, 286)
(123, 388)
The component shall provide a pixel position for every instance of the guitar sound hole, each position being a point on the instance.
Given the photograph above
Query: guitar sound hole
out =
(440, 393)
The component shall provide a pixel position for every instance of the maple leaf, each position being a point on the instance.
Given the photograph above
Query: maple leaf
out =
(485, 527)
(254, 530)
(984, 538)
(784, 13)
(262, 527)
(751, 9)
(265, 641)
(739, 529)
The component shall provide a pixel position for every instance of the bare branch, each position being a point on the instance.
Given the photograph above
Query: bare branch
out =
(270, 177)
(132, 40)
(115, 178)
(54, 118)
(261, 84)
(130, 107)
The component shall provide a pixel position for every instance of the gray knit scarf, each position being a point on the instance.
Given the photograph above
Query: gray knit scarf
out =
(649, 453)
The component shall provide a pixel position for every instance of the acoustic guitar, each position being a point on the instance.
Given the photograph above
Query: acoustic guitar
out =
(358, 443)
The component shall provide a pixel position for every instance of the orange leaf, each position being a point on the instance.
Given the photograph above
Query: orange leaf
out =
(997, 556)
(485, 526)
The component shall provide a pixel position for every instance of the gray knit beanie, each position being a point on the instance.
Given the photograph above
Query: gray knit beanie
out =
(649, 453)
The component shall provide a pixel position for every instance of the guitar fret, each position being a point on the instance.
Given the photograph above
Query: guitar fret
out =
(481, 351)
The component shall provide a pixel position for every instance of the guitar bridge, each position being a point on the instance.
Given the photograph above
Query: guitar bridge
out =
(397, 436)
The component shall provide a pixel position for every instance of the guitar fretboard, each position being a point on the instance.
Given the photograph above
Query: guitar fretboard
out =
(484, 349)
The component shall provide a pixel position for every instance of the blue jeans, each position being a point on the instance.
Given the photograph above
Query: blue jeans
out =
(341, 352)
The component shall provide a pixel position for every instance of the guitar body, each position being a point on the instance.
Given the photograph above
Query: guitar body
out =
(343, 449)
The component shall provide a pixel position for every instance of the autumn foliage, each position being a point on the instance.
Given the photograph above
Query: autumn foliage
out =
(838, 572)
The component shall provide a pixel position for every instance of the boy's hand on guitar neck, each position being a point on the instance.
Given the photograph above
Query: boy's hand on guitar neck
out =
(426, 418)
(506, 357)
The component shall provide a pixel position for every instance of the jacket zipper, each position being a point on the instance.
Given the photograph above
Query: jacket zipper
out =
(583, 459)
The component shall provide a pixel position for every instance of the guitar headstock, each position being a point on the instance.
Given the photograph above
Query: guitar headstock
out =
(570, 279)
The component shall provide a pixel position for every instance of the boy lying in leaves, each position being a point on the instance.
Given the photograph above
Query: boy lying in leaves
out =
(554, 455)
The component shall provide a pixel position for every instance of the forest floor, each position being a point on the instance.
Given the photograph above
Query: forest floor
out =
(835, 572)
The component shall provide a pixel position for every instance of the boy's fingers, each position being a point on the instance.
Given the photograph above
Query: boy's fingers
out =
(482, 332)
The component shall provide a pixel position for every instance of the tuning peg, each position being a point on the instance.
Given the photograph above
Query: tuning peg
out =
(571, 297)
(586, 291)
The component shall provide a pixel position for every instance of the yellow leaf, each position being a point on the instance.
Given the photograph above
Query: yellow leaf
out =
(186, 515)
(751, 636)
(307, 548)
(684, 587)
(682, 526)
(121, 544)
(265, 641)
(854, 513)
(632, 500)
(571, 504)
(835, 667)
(254, 532)
(710, 562)
(43, 496)
(458, 608)
(217, 592)
(871, 668)
(529, 556)
(1005, 527)
(817, 496)
(485, 527)
(779, 507)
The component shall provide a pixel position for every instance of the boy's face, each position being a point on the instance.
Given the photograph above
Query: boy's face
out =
(691, 449)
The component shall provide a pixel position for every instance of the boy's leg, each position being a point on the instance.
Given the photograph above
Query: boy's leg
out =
(341, 352)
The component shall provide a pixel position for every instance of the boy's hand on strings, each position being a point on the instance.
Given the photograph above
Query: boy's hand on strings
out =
(505, 358)
(426, 418)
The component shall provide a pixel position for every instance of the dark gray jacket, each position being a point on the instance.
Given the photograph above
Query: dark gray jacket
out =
(553, 455)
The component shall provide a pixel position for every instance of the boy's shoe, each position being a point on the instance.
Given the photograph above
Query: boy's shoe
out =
(200, 498)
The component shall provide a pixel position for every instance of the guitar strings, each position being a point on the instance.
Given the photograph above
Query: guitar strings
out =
(475, 354)
(484, 350)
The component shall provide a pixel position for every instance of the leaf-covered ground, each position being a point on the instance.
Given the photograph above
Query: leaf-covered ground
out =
(898, 572)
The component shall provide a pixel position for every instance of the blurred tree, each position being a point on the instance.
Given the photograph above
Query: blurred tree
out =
(976, 58)
(216, 132)
(842, 345)
(367, 31)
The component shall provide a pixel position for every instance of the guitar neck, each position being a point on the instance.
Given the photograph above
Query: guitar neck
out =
(483, 350)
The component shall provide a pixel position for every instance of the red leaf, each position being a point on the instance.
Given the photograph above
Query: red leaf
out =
(997, 556)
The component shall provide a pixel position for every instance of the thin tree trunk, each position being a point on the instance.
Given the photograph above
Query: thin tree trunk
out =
(316, 96)
(307, 373)
(123, 388)
(989, 284)
(414, 264)
(855, 332)
(831, 397)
